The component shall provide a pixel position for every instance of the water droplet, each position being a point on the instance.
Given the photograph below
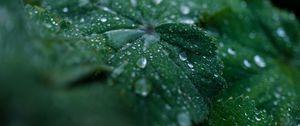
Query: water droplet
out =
(184, 9)
(252, 35)
(258, 119)
(221, 44)
(248, 89)
(65, 10)
(184, 119)
(190, 65)
(247, 63)
(183, 56)
(277, 95)
(142, 87)
(259, 61)
(280, 32)
(231, 51)
(116, 18)
(103, 19)
(179, 91)
(82, 20)
(168, 107)
(157, 1)
(275, 103)
(187, 21)
(216, 75)
(142, 62)
(133, 3)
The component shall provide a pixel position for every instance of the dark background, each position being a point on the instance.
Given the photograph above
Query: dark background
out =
(290, 5)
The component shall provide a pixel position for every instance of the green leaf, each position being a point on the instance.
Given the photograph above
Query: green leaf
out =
(148, 63)
(259, 50)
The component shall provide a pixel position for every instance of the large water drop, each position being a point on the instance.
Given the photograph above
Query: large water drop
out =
(259, 61)
(141, 62)
(183, 56)
(142, 87)
(184, 119)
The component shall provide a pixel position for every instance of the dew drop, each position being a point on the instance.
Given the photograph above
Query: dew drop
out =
(277, 95)
(157, 2)
(142, 87)
(190, 65)
(247, 63)
(252, 35)
(116, 18)
(187, 21)
(103, 19)
(142, 62)
(215, 75)
(65, 10)
(248, 89)
(183, 56)
(257, 119)
(133, 3)
(184, 119)
(259, 61)
(231, 51)
(275, 103)
(82, 20)
(280, 32)
(168, 107)
(184, 9)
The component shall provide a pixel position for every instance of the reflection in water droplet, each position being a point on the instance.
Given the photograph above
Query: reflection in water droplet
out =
(183, 56)
(259, 61)
(247, 63)
(184, 119)
(142, 62)
(142, 87)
